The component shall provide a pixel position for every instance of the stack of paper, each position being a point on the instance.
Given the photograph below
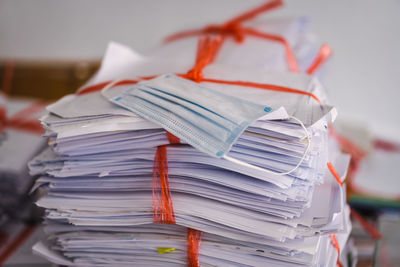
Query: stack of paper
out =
(98, 174)
(19, 142)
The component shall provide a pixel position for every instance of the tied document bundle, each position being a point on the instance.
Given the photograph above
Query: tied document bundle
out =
(206, 152)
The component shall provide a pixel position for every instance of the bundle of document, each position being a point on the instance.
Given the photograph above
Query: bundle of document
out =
(17, 146)
(96, 175)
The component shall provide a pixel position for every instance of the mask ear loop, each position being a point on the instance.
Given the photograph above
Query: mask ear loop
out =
(110, 85)
(242, 163)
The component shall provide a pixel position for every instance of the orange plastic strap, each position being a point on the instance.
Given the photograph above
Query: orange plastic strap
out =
(193, 247)
(368, 227)
(231, 26)
(324, 53)
(207, 50)
(335, 243)
(3, 119)
(16, 243)
(20, 120)
(234, 28)
(386, 145)
(264, 86)
(290, 57)
(251, 14)
(206, 53)
(163, 210)
(172, 139)
(334, 173)
(347, 146)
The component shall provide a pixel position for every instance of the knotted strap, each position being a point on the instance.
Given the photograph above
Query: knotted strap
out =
(207, 50)
(234, 28)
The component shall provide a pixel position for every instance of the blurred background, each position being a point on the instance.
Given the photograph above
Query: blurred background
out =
(68, 38)
(54, 46)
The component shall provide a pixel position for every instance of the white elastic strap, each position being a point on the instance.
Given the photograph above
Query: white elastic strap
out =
(110, 85)
(239, 162)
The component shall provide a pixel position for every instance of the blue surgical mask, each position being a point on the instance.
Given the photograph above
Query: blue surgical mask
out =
(204, 118)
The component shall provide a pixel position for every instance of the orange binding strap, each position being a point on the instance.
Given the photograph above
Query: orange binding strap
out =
(16, 243)
(234, 28)
(172, 139)
(20, 120)
(163, 210)
(207, 52)
(357, 154)
(193, 247)
(264, 86)
(335, 243)
(368, 227)
(334, 173)
(229, 27)
(324, 53)
(386, 145)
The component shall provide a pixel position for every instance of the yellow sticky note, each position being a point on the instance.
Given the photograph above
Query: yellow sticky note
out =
(165, 250)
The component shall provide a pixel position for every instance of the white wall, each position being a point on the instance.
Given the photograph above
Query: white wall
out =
(363, 78)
